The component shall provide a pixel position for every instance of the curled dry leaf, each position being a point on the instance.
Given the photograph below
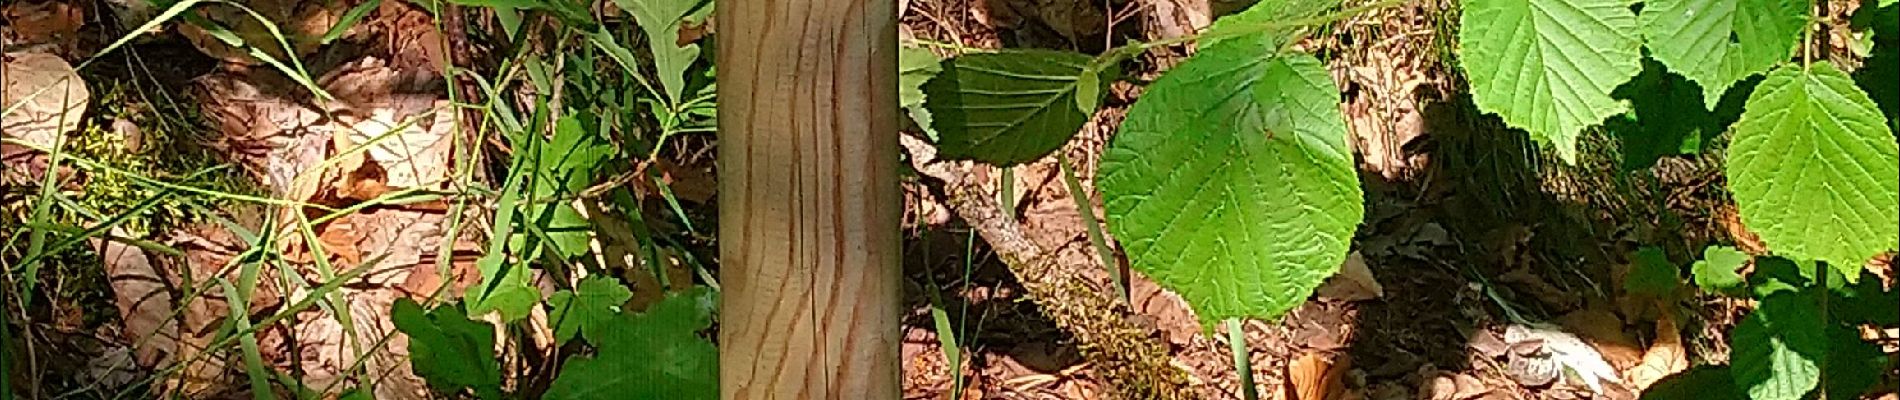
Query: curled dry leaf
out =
(44, 98)
(1665, 357)
(1353, 283)
(1316, 376)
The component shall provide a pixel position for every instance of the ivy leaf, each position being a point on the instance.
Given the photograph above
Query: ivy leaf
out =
(508, 289)
(1651, 273)
(1699, 383)
(1716, 271)
(916, 66)
(586, 309)
(1231, 182)
(1778, 349)
(660, 19)
(448, 350)
(1009, 107)
(654, 355)
(1719, 42)
(1548, 66)
(563, 168)
(1815, 170)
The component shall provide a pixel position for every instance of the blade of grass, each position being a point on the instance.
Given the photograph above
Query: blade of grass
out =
(1086, 207)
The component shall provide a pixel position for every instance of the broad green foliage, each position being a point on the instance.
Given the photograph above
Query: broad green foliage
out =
(1548, 66)
(565, 166)
(1778, 349)
(586, 309)
(1667, 117)
(1815, 170)
(1266, 20)
(1231, 182)
(915, 66)
(507, 288)
(1010, 107)
(448, 350)
(653, 355)
(1719, 42)
(1716, 271)
(661, 20)
(1651, 273)
(1699, 383)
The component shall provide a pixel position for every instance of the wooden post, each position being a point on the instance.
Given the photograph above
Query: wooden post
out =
(809, 200)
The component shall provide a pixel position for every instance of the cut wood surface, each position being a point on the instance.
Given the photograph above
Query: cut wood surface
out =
(810, 212)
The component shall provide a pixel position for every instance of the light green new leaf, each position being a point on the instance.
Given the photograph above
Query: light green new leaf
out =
(586, 309)
(1009, 107)
(654, 355)
(1231, 182)
(447, 349)
(1719, 42)
(1815, 170)
(1548, 66)
(1779, 348)
(1716, 271)
(660, 19)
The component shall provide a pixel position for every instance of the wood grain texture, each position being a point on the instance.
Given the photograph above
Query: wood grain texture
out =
(808, 199)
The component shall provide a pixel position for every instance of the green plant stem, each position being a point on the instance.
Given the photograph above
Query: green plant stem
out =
(1085, 206)
(1007, 193)
(1243, 365)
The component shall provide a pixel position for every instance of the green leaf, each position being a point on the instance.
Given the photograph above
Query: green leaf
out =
(514, 4)
(508, 289)
(1651, 273)
(563, 168)
(1548, 66)
(660, 19)
(348, 20)
(1883, 65)
(1699, 383)
(1814, 169)
(447, 349)
(1719, 42)
(1009, 107)
(654, 355)
(1271, 21)
(915, 67)
(1778, 349)
(1853, 365)
(1775, 275)
(1865, 302)
(1231, 182)
(586, 309)
(1667, 117)
(1716, 271)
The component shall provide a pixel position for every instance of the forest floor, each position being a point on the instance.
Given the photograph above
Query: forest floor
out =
(1473, 234)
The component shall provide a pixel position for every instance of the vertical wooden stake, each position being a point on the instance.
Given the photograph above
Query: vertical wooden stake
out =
(808, 199)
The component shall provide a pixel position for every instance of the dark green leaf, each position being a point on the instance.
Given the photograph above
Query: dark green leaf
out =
(915, 67)
(1007, 108)
(1853, 365)
(586, 309)
(1699, 383)
(447, 349)
(1774, 275)
(660, 19)
(653, 355)
(1651, 273)
(1779, 348)
(1667, 117)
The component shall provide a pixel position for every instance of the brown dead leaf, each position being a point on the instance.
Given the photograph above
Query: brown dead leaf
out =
(1523, 279)
(144, 304)
(47, 25)
(1604, 331)
(261, 128)
(1665, 357)
(1316, 376)
(1353, 283)
(406, 127)
(302, 23)
(50, 98)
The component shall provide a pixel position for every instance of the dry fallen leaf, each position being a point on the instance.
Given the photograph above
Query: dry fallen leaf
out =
(1665, 357)
(43, 25)
(140, 294)
(1353, 283)
(44, 98)
(1316, 376)
(1604, 330)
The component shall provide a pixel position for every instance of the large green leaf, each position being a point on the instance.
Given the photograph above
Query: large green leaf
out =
(1815, 170)
(653, 355)
(1779, 348)
(1699, 383)
(562, 168)
(1667, 118)
(1231, 182)
(915, 66)
(449, 350)
(1009, 107)
(586, 309)
(1719, 42)
(1548, 66)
